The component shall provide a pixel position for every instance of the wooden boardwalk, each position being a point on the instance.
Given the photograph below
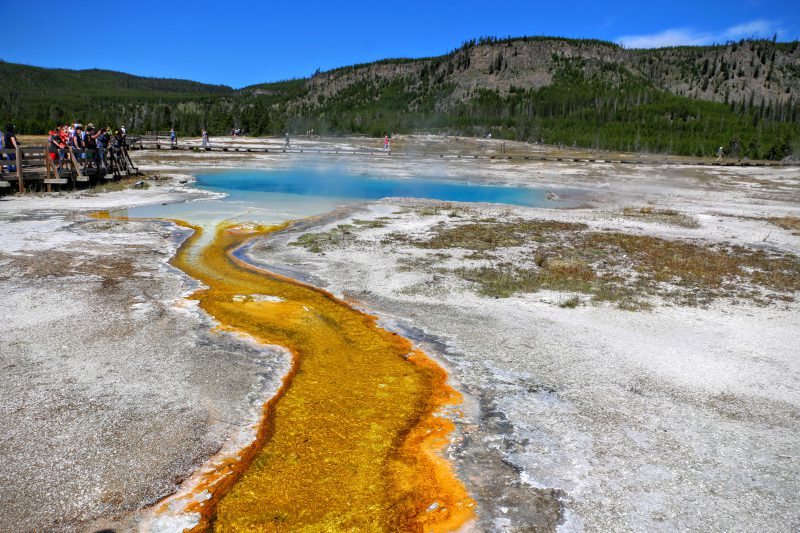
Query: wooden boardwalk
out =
(141, 144)
(31, 168)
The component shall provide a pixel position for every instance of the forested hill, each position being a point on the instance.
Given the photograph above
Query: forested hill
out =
(94, 82)
(686, 100)
(35, 98)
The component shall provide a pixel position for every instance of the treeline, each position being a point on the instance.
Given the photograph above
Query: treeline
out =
(631, 115)
(601, 106)
(589, 104)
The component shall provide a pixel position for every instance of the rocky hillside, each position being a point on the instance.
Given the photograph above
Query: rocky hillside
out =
(749, 72)
(752, 73)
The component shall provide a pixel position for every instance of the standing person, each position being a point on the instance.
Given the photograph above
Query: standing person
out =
(55, 146)
(117, 143)
(205, 137)
(73, 131)
(89, 144)
(76, 141)
(2, 145)
(10, 142)
(286, 141)
(720, 154)
(124, 133)
(173, 137)
(62, 153)
(101, 141)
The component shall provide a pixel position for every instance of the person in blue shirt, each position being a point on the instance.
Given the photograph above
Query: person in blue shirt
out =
(101, 139)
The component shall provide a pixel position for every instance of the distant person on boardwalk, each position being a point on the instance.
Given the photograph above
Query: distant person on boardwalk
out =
(88, 144)
(173, 137)
(286, 139)
(720, 154)
(10, 143)
(76, 141)
(117, 144)
(101, 141)
(205, 137)
(386, 143)
(118, 141)
(55, 146)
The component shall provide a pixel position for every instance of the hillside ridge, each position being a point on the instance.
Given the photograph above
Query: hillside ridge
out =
(686, 100)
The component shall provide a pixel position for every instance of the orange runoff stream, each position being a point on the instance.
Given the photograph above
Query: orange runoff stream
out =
(351, 442)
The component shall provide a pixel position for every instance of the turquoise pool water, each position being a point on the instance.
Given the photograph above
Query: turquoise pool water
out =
(277, 195)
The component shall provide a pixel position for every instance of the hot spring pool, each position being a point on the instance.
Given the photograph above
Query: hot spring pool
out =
(271, 196)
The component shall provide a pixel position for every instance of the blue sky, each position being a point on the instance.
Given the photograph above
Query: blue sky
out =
(241, 43)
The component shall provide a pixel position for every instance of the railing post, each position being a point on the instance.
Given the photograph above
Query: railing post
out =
(75, 163)
(49, 166)
(19, 169)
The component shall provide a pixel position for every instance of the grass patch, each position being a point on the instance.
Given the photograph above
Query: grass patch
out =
(664, 216)
(435, 210)
(570, 275)
(624, 269)
(790, 223)
(119, 185)
(570, 303)
(707, 267)
(370, 223)
(501, 282)
(318, 242)
(427, 263)
(478, 236)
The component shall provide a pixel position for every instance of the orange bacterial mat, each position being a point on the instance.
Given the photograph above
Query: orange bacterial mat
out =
(351, 442)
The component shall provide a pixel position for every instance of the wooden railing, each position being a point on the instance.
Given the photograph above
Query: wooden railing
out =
(35, 163)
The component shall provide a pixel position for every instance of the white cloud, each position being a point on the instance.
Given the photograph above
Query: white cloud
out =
(691, 37)
(674, 37)
(759, 28)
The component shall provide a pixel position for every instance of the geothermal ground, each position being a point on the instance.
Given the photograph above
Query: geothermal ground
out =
(628, 365)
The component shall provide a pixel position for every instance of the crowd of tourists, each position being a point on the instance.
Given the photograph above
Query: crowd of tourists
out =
(89, 145)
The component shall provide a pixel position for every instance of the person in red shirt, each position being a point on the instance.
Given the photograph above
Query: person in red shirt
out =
(56, 146)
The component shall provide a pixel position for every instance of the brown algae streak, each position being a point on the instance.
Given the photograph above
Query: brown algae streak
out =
(351, 442)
